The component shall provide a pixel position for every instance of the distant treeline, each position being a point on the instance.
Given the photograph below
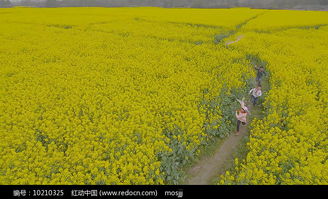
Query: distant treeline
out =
(269, 4)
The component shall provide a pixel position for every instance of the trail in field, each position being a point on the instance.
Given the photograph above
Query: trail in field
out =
(209, 168)
(231, 42)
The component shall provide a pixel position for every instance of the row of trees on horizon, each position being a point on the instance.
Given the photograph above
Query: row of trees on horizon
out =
(270, 4)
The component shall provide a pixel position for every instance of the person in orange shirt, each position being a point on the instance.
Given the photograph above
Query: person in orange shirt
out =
(243, 105)
(241, 115)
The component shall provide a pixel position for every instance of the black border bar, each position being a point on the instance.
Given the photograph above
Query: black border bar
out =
(157, 191)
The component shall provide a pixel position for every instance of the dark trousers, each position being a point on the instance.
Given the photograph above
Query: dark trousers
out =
(254, 100)
(259, 78)
(238, 124)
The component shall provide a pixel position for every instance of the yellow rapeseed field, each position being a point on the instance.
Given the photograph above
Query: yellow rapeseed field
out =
(129, 95)
(290, 145)
(109, 95)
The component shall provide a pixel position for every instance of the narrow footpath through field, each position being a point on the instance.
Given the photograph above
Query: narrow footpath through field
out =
(209, 168)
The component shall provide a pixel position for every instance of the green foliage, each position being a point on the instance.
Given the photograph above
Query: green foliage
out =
(172, 162)
(256, 60)
(219, 37)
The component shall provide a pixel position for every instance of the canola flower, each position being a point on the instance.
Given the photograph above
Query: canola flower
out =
(108, 95)
(123, 95)
(289, 146)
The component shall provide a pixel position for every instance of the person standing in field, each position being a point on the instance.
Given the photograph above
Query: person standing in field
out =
(243, 105)
(255, 94)
(241, 115)
(259, 74)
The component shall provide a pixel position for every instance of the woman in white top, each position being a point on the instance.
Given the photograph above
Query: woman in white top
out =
(241, 118)
(256, 93)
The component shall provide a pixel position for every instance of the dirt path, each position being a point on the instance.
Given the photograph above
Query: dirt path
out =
(231, 42)
(209, 168)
